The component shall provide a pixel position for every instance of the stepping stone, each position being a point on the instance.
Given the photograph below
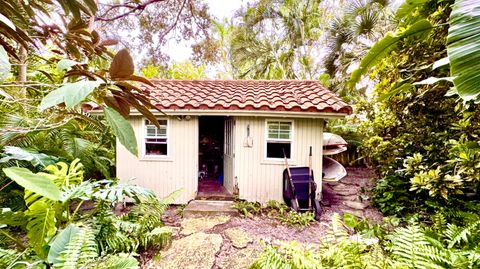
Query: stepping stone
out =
(356, 205)
(241, 259)
(209, 208)
(193, 225)
(343, 190)
(196, 251)
(238, 236)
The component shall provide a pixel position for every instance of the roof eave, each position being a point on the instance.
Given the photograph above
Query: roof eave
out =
(244, 113)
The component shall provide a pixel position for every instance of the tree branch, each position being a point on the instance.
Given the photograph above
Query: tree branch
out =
(133, 7)
(172, 26)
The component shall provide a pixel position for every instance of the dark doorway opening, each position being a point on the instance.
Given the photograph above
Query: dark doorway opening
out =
(210, 158)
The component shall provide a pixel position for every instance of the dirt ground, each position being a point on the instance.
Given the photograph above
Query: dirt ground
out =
(351, 194)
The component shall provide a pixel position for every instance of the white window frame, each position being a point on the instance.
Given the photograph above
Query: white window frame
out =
(291, 140)
(144, 142)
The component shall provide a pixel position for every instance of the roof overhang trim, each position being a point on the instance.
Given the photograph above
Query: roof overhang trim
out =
(243, 113)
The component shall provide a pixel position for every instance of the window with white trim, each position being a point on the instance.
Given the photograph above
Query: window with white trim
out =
(156, 139)
(279, 139)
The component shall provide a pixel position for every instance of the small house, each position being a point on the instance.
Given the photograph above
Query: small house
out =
(229, 136)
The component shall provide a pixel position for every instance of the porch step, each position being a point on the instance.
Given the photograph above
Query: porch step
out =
(209, 208)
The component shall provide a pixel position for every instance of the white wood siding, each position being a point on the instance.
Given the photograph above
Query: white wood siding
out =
(260, 179)
(164, 176)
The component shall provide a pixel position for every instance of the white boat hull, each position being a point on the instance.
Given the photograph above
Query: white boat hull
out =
(332, 170)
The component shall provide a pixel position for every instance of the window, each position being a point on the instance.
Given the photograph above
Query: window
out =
(279, 139)
(156, 138)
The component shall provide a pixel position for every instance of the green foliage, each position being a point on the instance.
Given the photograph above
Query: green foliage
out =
(79, 249)
(275, 210)
(35, 158)
(352, 243)
(282, 50)
(187, 70)
(293, 218)
(464, 57)
(289, 255)
(33, 182)
(386, 45)
(463, 32)
(64, 239)
(423, 143)
(60, 242)
(247, 209)
(122, 129)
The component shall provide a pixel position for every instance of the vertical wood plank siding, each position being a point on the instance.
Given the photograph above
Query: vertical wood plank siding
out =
(164, 176)
(259, 179)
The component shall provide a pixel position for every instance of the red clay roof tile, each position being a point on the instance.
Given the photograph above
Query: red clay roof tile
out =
(271, 95)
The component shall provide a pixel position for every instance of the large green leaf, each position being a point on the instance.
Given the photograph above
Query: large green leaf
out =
(41, 226)
(61, 241)
(4, 63)
(464, 47)
(33, 182)
(35, 158)
(71, 94)
(122, 129)
(384, 46)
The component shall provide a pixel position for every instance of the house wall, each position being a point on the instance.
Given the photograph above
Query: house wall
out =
(259, 179)
(167, 174)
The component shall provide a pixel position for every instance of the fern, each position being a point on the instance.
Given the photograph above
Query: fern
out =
(8, 257)
(119, 261)
(406, 245)
(160, 237)
(291, 255)
(337, 231)
(81, 249)
(456, 235)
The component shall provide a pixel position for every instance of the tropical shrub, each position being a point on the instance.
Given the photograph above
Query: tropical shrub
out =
(64, 235)
(421, 138)
(441, 245)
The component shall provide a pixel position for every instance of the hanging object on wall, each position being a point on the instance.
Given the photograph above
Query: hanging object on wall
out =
(333, 144)
(248, 142)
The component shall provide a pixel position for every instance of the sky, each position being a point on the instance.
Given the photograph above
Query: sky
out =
(219, 9)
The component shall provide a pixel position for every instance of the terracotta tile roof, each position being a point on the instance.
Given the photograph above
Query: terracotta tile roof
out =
(269, 95)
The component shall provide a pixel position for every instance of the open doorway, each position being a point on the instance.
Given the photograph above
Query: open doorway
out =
(210, 158)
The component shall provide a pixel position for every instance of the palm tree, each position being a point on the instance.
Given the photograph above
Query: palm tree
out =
(350, 34)
(276, 39)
